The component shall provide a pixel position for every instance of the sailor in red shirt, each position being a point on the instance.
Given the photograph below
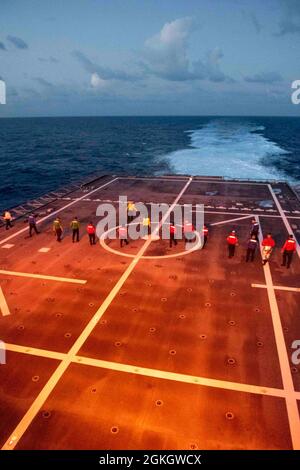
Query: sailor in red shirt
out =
(188, 230)
(287, 251)
(205, 235)
(123, 235)
(267, 247)
(91, 230)
(232, 242)
(173, 231)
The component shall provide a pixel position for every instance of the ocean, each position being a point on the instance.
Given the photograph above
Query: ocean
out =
(38, 155)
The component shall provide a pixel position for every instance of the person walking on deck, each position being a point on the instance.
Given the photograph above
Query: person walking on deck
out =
(57, 229)
(32, 224)
(7, 217)
(251, 248)
(188, 231)
(205, 235)
(91, 230)
(75, 229)
(131, 211)
(123, 235)
(173, 231)
(232, 242)
(254, 229)
(288, 250)
(267, 247)
(146, 226)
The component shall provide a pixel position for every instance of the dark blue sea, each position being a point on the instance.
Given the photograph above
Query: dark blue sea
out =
(38, 155)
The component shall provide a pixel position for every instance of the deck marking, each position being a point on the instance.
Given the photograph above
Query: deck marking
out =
(263, 286)
(58, 373)
(8, 246)
(155, 373)
(231, 220)
(3, 304)
(44, 250)
(284, 217)
(35, 351)
(42, 276)
(287, 380)
(57, 211)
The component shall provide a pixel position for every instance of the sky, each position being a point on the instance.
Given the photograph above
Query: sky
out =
(149, 57)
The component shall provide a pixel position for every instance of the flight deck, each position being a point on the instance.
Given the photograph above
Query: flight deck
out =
(147, 346)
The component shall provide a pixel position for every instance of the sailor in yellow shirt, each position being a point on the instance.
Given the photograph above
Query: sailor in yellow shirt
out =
(57, 229)
(146, 226)
(131, 211)
(7, 219)
(75, 229)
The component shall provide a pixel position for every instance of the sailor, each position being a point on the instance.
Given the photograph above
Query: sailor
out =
(188, 231)
(75, 229)
(254, 228)
(7, 219)
(205, 235)
(268, 244)
(146, 226)
(173, 231)
(123, 236)
(288, 250)
(131, 211)
(232, 242)
(91, 230)
(32, 224)
(57, 229)
(251, 248)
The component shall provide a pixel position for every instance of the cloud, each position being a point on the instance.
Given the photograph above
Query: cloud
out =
(50, 59)
(166, 55)
(290, 18)
(255, 22)
(264, 77)
(98, 82)
(104, 72)
(17, 42)
(43, 82)
(2, 47)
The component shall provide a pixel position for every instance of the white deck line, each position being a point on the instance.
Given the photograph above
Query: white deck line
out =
(58, 373)
(43, 276)
(155, 373)
(287, 380)
(3, 304)
(25, 229)
(291, 289)
(231, 220)
(284, 217)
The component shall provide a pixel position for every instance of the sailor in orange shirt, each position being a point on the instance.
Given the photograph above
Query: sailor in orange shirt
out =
(123, 235)
(205, 235)
(287, 251)
(188, 230)
(232, 242)
(91, 230)
(268, 244)
(173, 231)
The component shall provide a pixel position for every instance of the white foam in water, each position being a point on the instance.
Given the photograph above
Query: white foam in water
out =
(223, 148)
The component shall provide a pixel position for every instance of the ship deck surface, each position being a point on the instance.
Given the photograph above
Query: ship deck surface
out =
(149, 347)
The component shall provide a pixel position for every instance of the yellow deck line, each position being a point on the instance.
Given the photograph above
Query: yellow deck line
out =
(3, 304)
(287, 380)
(44, 276)
(56, 376)
(57, 211)
(34, 351)
(263, 286)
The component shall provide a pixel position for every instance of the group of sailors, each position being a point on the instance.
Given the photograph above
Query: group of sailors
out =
(268, 243)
